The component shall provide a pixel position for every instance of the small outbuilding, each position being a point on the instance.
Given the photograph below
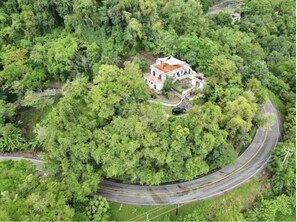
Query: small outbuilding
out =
(235, 17)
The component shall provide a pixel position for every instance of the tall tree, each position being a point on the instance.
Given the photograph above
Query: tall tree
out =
(190, 12)
(237, 118)
(59, 57)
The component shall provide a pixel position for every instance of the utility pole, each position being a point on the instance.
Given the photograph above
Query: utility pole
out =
(288, 153)
(147, 217)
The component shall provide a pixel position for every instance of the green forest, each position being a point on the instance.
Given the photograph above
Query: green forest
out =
(99, 122)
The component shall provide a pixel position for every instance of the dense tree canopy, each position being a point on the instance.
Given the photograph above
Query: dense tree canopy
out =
(13, 173)
(113, 123)
(36, 200)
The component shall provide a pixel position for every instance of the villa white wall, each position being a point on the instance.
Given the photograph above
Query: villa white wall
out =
(194, 81)
(151, 85)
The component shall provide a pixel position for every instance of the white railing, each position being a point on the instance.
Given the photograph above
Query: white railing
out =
(183, 77)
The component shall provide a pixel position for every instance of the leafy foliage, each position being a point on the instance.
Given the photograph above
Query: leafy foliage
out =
(283, 168)
(36, 200)
(188, 11)
(13, 173)
(168, 84)
(36, 100)
(266, 210)
(11, 138)
(97, 209)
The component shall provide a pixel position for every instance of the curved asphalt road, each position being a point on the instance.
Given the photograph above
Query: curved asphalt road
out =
(247, 165)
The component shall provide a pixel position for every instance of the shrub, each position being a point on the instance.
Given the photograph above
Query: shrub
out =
(153, 94)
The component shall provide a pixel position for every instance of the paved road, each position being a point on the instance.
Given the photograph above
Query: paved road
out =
(253, 160)
(226, 5)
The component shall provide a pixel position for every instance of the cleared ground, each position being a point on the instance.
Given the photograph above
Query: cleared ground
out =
(226, 6)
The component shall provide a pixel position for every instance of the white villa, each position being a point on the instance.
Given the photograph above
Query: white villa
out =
(175, 68)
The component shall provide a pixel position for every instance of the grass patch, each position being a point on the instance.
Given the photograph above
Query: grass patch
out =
(29, 117)
(182, 85)
(135, 213)
(178, 89)
(170, 99)
(164, 213)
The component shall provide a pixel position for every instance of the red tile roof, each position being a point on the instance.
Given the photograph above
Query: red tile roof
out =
(200, 76)
(153, 78)
(167, 68)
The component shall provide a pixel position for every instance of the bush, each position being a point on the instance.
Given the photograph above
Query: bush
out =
(141, 62)
(170, 95)
(98, 209)
(194, 92)
(153, 94)
(11, 139)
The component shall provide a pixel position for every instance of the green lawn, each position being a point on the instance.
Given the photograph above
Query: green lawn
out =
(163, 99)
(168, 212)
(182, 85)
(30, 117)
(178, 89)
